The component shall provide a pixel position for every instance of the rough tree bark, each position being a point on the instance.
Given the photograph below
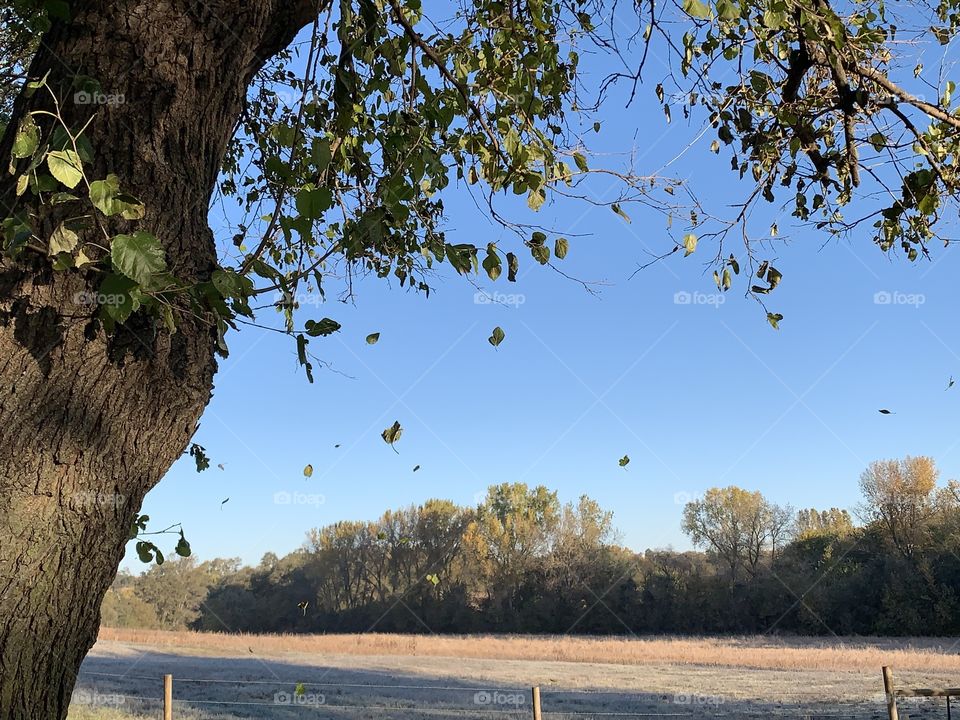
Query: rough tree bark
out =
(88, 424)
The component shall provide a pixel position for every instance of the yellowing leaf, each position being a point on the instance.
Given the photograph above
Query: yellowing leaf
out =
(65, 166)
(63, 239)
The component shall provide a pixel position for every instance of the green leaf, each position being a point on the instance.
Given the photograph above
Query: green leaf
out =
(624, 461)
(27, 139)
(65, 166)
(581, 162)
(107, 198)
(199, 454)
(689, 244)
(695, 8)
(541, 253)
(497, 337)
(536, 199)
(139, 256)
(774, 320)
(492, 264)
(308, 471)
(560, 248)
(183, 547)
(119, 297)
(619, 211)
(302, 342)
(63, 240)
(513, 267)
(372, 338)
(312, 203)
(392, 433)
(324, 327)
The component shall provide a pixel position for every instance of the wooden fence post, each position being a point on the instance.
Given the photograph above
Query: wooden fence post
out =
(168, 697)
(888, 690)
(536, 704)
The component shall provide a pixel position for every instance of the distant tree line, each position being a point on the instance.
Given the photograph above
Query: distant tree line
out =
(521, 561)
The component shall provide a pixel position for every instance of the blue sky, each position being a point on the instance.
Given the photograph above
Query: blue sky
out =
(698, 394)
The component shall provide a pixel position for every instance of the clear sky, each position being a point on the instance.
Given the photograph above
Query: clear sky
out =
(698, 394)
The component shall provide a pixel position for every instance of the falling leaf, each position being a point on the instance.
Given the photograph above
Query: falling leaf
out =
(308, 471)
(337, 445)
(220, 465)
(372, 338)
(224, 502)
(497, 337)
(392, 434)
(624, 461)
(951, 383)
(416, 467)
(250, 648)
(303, 606)
(435, 579)
(886, 412)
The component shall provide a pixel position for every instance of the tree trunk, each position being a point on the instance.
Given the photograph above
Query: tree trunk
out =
(89, 423)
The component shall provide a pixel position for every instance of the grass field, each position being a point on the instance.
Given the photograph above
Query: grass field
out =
(417, 677)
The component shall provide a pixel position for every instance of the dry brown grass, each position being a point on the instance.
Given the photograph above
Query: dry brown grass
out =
(768, 653)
